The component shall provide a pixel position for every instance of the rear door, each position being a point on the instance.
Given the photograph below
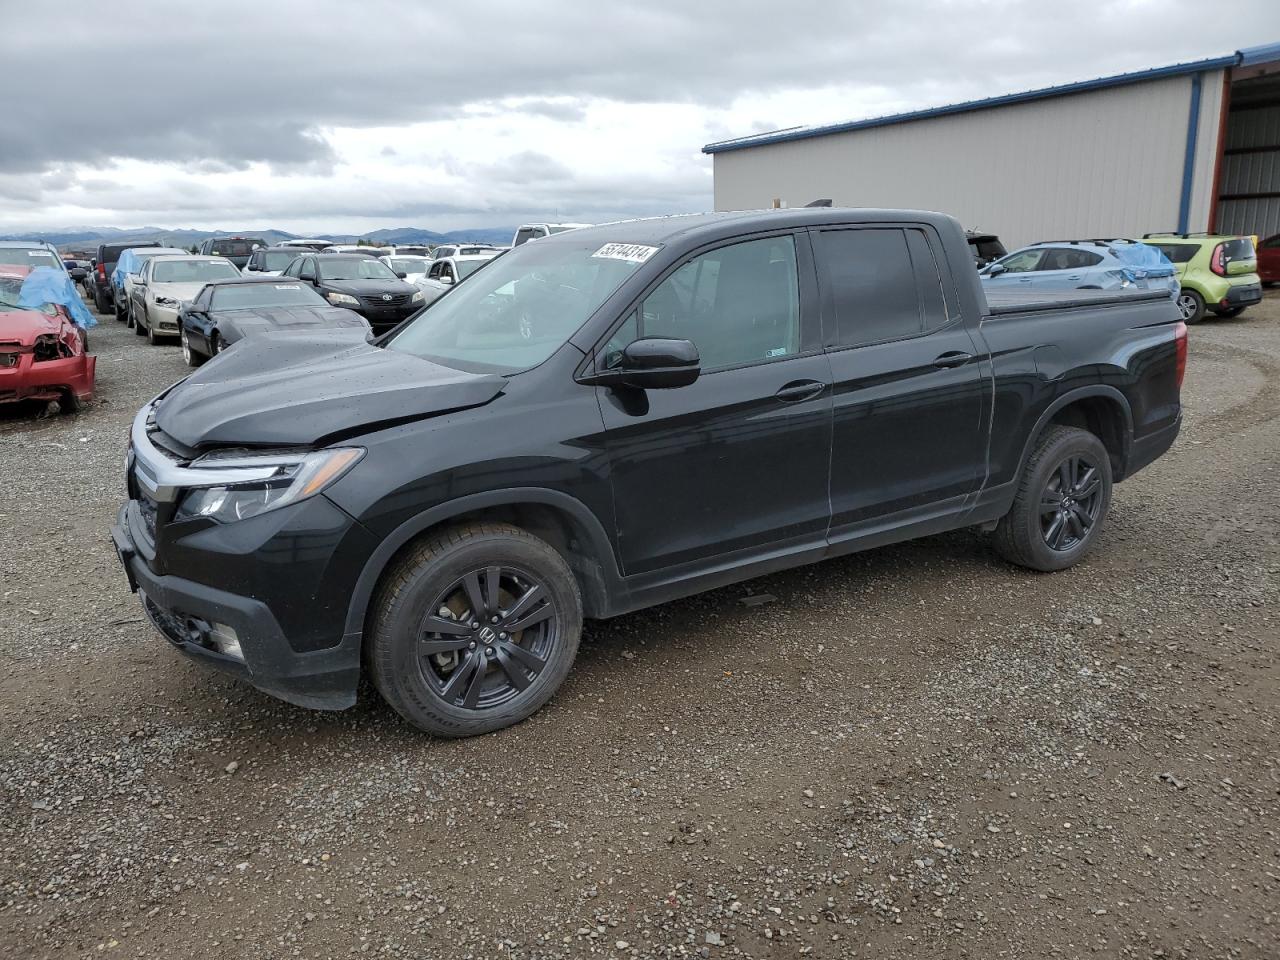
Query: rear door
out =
(910, 399)
(1068, 268)
(736, 462)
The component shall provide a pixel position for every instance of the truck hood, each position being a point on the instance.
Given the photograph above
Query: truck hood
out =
(286, 389)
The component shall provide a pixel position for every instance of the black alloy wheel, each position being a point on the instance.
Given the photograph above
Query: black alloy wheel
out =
(1061, 501)
(473, 629)
(1070, 503)
(488, 637)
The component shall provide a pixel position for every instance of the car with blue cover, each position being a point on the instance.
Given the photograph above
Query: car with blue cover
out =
(1083, 265)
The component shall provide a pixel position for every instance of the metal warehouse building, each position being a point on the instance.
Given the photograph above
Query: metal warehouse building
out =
(1193, 146)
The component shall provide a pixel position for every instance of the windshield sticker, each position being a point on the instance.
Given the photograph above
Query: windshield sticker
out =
(631, 252)
(36, 253)
(287, 286)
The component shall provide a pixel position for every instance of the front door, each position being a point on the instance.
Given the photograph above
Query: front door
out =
(737, 462)
(910, 397)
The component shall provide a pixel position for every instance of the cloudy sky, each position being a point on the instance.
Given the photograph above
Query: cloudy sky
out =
(348, 116)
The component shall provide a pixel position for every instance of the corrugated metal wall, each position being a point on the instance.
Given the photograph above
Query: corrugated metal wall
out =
(1251, 173)
(1103, 163)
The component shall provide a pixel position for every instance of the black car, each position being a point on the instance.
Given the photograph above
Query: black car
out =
(76, 270)
(985, 247)
(99, 281)
(359, 283)
(227, 311)
(615, 417)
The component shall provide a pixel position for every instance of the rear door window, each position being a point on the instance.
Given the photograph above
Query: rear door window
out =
(870, 289)
(1178, 252)
(1067, 258)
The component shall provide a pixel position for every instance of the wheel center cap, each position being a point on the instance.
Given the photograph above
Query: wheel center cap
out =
(487, 635)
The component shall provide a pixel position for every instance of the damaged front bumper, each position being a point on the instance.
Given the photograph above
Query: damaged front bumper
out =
(23, 377)
(237, 634)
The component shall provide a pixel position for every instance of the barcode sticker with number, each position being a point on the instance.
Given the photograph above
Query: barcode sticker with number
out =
(631, 252)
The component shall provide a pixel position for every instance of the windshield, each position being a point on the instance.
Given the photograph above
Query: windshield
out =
(410, 264)
(27, 257)
(561, 229)
(363, 269)
(518, 311)
(11, 290)
(242, 296)
(192, 271)
(278, 260)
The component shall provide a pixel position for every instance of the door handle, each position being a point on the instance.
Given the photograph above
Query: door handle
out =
(798, 390)
(953, 358)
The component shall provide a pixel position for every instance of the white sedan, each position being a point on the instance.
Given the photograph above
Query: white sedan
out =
(413, 268)
(445, 273)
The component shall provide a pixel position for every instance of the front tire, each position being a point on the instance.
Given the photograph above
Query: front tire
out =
(1190, 306)
(192, 357)
(1062, 500)
(474, 629)
(152, 337)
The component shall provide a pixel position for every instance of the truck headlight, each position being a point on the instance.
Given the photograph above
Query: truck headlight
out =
(342, 299)
(417, 297)
(246, 483)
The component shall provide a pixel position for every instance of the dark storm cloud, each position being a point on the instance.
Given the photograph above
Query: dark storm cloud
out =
(219, 86)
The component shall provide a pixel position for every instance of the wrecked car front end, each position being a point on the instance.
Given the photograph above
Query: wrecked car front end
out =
(43, 353)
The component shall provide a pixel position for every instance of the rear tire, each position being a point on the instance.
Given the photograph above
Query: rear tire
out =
(1190, 306)
(1226, 313)
(470, 675)
(1061, 503)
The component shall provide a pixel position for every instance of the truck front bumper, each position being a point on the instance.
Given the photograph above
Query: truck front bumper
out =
(239, 635)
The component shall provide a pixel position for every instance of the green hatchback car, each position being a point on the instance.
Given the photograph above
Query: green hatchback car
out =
(1217, 273)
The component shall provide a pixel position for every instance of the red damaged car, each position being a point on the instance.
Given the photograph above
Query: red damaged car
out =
(43, 352)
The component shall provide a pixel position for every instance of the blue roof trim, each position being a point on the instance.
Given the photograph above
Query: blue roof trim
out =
(1248, 57)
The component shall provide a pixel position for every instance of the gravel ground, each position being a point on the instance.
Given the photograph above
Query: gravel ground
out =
(916, 751)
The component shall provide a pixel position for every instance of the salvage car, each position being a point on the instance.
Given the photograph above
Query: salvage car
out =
(44, 352)
(1269, 260)
(1216, 273)
(30, 253)
(227, 311)
(104, 266)
(615, 417)
(270, 261)
(534, 231)
(1084, 265)
(126, 275)
(446, 250)
(164, 284)
(364, 284)
(236, 249)
(411, 269)
(76, 270)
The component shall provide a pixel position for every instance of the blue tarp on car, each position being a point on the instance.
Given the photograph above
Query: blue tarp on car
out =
(129, 262)
(52, 285)
(1143, 257)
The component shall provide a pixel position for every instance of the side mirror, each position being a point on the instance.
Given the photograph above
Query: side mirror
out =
(445, 278)
(653, 363)
(401, 274)
(994, 269)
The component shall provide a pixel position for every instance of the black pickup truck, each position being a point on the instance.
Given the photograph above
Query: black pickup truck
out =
(614, 417)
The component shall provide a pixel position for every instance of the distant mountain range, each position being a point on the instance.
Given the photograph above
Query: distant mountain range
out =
(85, 238)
